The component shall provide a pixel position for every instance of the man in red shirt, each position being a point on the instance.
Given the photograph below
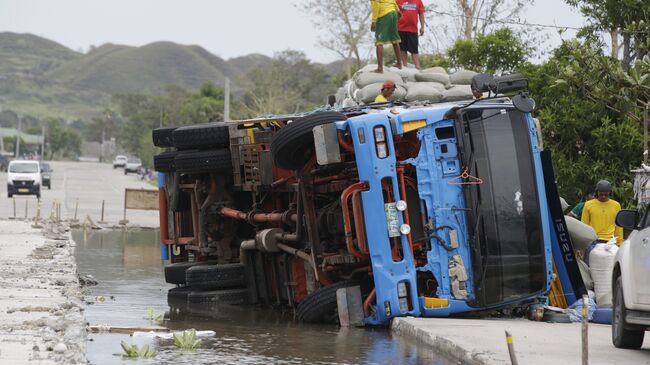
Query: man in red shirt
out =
(408, 28)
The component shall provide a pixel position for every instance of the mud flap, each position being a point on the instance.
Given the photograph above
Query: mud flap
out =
(350, 306)
(564, 257)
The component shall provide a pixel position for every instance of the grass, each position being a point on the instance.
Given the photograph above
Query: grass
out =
(132, 351)
(153, 316)
(187, 341)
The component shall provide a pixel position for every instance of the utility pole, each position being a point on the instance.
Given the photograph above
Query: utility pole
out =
(161, 116)
(20, 122)
(101, 147)
(645, 133)
(43, 143)
(226, 101)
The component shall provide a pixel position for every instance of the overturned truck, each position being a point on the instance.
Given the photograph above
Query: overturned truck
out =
(429, 209)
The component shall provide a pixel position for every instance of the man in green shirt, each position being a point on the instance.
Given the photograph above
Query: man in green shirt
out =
(590, 193)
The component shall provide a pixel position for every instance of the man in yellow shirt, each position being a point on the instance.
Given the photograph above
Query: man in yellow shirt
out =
(387, 90)
(385, 14)
(600, 214)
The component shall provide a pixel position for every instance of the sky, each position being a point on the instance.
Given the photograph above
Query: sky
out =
(225, 28)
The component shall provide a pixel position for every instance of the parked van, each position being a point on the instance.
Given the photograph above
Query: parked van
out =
(24, 177)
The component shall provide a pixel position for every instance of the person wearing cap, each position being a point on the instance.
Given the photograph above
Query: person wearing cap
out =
(600, 214)
(590, 193)
(385, 14)
(387, 90)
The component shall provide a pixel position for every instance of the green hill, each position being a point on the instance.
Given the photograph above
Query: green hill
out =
(44, 78)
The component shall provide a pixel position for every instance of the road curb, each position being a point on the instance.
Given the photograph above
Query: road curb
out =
(401, 327)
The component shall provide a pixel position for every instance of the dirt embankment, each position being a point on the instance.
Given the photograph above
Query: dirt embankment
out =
(41, 306)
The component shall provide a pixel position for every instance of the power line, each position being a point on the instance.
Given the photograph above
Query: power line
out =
(511, 22)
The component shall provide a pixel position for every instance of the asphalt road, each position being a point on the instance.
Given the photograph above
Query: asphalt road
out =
(89, 183)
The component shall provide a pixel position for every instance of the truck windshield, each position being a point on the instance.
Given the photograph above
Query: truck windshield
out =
(23, 168)
(505, 230)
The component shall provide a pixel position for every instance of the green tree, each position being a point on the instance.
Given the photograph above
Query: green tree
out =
(61, 141)
(289, 84)
(501, 51)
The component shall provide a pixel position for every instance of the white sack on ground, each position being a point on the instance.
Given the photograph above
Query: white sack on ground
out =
(462, 77)
(456, 93)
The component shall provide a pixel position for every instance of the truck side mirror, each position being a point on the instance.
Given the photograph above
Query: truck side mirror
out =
(627, 219)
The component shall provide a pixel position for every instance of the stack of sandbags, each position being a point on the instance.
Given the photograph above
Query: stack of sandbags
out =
(432, 84)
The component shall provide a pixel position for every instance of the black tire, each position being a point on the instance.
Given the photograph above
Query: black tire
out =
(10, 195)
(175, 273)
(38, 194)
(223, 276)
(624, 335)
(178, 296)
(320, 306)
(203, 161)
(125, 172)
(164, 162)
(201, 136)
(49, 186)
(162, 137)
(229, 296)
(293, 145)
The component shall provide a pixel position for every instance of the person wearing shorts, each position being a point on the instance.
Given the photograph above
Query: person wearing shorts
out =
(412, 11)
(385, 14)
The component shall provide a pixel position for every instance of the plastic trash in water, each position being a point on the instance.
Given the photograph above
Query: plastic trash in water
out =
(170, 335)
(575, 310)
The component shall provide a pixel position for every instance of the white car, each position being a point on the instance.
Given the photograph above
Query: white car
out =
(631, 282)
(119, 161)
(132, 165)
(24, 177)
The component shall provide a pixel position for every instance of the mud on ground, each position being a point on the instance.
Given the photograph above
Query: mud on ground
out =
(41, 307)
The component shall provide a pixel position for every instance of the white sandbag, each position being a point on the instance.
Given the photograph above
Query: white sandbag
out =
(456, 93)
(435, 70)
(368, 68)
(601, 265)
(582, 235)
(421, 91)
(433, 77)
(363, 79)
(369, 93)
(585, 272)
(348, 102)
(340, 95)
(462, 77)
(407, 73)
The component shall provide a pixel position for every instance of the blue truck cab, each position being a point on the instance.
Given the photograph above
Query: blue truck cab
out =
(429, 209)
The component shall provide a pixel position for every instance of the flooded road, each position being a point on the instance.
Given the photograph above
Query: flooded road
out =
(131, 286)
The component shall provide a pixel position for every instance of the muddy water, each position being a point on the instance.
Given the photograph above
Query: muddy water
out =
(131, 285)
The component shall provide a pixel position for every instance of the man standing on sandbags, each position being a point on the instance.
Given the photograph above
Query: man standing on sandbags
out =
(600, 214)
(385, 14)
(412, 10)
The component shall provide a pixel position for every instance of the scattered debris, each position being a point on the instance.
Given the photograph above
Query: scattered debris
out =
(87, 280)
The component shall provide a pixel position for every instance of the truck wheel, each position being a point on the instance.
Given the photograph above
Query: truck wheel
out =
(175, 273)
(230, 296)
(202, 136)
(176, 296)
(222, 276)
(203, 161)
(162, 137)
(164, 162)
(624, 335)
(293, 145)
(320, 306)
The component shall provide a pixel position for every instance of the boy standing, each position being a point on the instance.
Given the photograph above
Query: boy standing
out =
(412, 10)
(385, 14)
